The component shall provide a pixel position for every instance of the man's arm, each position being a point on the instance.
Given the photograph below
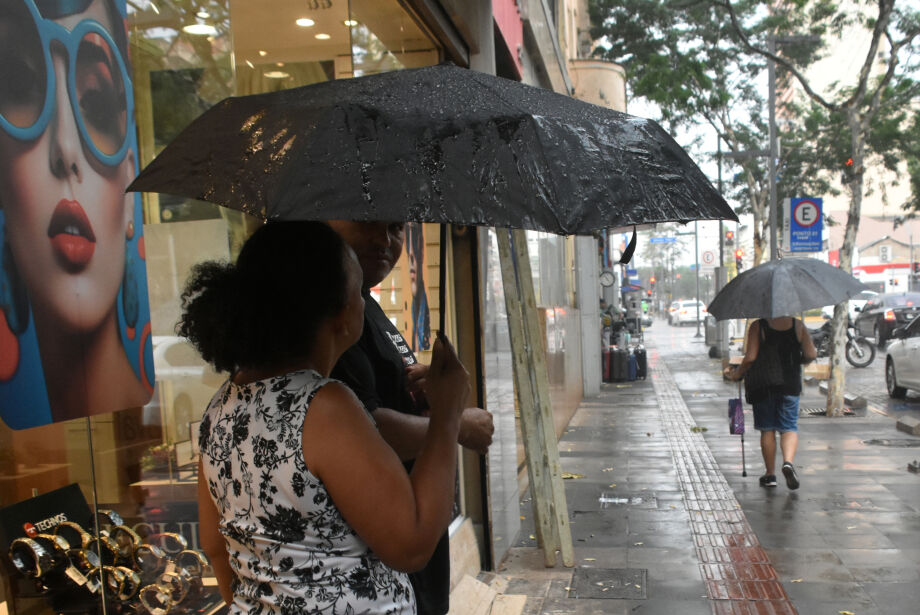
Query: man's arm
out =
(405, 433)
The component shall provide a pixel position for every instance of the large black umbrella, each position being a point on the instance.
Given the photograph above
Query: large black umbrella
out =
(438, 144)
(783, 288)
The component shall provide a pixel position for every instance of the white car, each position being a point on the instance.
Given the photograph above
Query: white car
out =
(686, 313)
(902, 366)
(853, 305)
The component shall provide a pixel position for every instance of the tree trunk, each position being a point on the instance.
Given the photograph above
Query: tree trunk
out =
(835, 387)
(758, 244)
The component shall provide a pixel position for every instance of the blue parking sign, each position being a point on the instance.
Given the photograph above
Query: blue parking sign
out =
(805, 224)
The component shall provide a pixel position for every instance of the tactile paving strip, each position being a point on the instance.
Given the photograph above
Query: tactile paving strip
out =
(739, 577)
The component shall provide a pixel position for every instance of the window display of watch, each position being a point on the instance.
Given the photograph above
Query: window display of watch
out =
(115, 566)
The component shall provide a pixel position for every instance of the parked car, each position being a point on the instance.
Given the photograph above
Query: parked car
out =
(671, 309)
(886, 312)
(902, 366)
(686, 312)
(854, 305)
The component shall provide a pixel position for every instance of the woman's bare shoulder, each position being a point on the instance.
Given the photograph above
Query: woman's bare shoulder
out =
(334, 397)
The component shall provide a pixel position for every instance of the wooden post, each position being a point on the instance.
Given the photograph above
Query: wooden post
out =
(532, 393)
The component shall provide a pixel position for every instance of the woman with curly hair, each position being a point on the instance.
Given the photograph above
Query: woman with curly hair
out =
(303, 507)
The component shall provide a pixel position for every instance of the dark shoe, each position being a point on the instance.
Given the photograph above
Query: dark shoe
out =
(768, 480)
(792, 479)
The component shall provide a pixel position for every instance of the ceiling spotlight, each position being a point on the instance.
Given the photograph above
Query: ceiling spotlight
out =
(277, 74)
(350, 22)
(202, 14)
(200, 29)
(250, 64)
(323, 36)
(263, 53)
(305, 22)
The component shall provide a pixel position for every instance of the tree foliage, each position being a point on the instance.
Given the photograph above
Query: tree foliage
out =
(698, 60)
(704, 62)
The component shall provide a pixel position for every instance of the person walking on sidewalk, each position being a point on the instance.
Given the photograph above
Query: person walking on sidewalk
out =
(775, 350)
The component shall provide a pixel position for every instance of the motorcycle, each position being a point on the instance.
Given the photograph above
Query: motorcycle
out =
(859, 352)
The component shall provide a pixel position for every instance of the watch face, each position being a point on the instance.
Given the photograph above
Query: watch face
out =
(607, 278)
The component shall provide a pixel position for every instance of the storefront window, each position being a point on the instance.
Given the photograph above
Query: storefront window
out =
(141, 463)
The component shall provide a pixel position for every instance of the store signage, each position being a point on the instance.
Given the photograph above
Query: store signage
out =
(41, 514)
(662, 240)
(803, 226)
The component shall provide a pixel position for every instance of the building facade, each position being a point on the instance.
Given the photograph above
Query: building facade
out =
(138, 462)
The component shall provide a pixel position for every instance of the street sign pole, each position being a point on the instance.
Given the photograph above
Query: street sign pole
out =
(720, 271)
(771, 103)
(696, 253)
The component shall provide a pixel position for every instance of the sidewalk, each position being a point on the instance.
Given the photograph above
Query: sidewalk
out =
(663, 521)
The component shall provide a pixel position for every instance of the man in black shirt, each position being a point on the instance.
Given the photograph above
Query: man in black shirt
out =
(383, 372)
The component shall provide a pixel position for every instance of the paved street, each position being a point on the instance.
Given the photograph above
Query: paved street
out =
(869, 382)
(664, 522)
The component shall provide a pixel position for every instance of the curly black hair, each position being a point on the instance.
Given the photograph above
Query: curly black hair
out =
(265, 310)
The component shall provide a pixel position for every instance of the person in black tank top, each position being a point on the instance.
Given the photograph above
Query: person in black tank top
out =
(776, 407)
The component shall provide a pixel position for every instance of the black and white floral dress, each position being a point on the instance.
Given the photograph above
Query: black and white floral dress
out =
(290, 548)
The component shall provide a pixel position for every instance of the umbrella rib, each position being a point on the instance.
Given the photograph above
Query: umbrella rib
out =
(530, 118)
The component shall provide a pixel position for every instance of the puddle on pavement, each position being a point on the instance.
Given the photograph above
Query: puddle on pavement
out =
(610, 583)
(894, 442)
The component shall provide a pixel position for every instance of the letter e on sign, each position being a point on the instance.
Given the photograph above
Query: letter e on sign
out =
(806, 213)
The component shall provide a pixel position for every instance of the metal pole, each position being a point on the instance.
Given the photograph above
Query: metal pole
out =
(771, 102)
(720, 271)
(721, 228)
(696, 250)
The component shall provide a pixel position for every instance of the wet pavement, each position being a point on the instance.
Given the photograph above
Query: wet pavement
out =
(869, 382)
(664, 522)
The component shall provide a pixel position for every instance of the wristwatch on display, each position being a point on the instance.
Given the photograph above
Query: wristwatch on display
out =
(105, 516)
(193, 561)
(105, 548)
(30, 557)
(155, 601)
(149, 560)
(82, 569)
(170, 542)
(129, 584)
(176, 582)
(126, 540)
(74, 534)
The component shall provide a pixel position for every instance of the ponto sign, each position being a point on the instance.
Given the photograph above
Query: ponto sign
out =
(803, 225)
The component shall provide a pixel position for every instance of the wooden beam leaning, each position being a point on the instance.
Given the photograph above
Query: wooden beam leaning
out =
(532, 393)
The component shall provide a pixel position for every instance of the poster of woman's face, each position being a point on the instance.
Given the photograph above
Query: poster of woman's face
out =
(74, 313)
(421, 315)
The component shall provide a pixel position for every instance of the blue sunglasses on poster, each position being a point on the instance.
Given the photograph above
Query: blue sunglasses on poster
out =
(98, 83)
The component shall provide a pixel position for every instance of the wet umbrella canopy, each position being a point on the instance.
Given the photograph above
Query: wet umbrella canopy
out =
(438, 144)
(784, 287)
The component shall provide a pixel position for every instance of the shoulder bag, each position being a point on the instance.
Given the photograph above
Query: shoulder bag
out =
(765, 372)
